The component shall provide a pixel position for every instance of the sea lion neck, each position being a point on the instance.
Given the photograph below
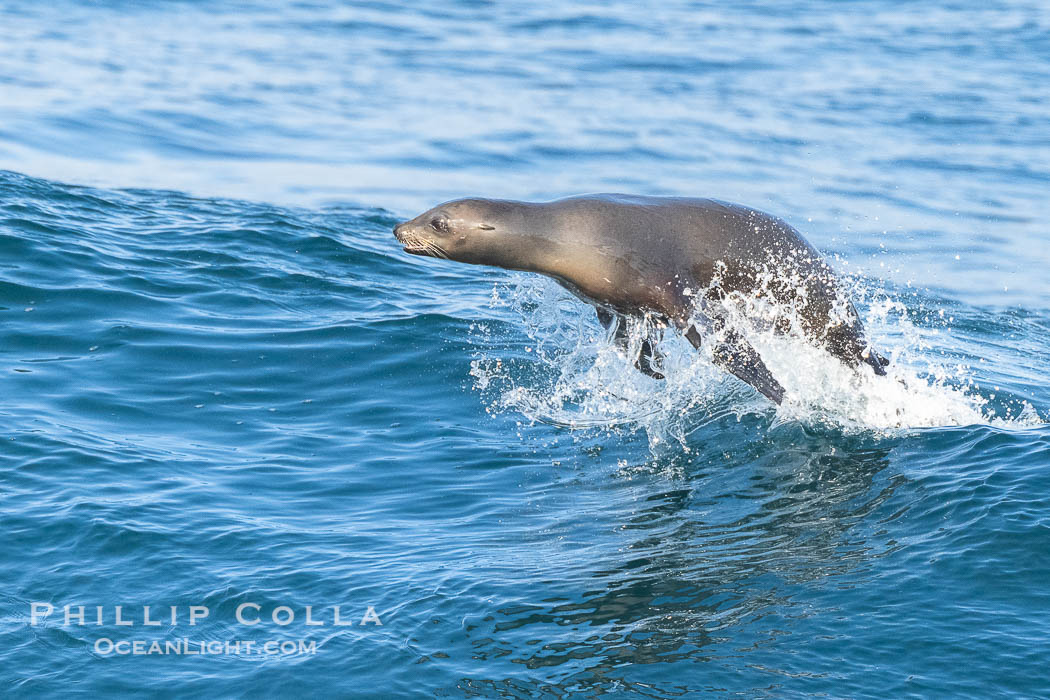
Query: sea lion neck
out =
(527, 236)
(535, 252)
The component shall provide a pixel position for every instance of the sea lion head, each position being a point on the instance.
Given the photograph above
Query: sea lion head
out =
(479, 231)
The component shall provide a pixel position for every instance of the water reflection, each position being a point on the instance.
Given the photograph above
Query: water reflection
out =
(714, 567)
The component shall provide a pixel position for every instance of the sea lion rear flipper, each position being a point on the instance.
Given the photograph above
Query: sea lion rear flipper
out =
(846, 342)
(648, 356)
(877, 362)
(735, 355)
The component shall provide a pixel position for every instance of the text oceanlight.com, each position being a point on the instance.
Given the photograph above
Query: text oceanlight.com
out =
(189, 647)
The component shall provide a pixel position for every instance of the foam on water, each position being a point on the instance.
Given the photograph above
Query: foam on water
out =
(572, 375)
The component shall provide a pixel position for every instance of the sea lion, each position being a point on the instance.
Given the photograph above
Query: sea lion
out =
(672, 260)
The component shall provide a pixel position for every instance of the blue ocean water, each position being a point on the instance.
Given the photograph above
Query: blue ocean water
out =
(229, 396)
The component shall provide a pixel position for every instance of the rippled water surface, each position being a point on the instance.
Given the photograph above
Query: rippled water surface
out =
(225, 387)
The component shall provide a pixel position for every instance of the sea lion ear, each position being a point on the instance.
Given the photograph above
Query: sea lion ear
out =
(486, 227)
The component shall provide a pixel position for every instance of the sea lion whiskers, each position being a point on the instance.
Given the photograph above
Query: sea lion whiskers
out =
(436, 250)
(414, 243)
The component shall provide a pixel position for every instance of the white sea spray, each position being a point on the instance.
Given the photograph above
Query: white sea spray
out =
(569, 372)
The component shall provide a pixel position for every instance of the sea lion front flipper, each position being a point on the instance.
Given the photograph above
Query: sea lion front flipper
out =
(735, 355)
(615, 324)
(648, 356)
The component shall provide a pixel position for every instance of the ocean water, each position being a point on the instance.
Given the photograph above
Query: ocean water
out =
(229, 396)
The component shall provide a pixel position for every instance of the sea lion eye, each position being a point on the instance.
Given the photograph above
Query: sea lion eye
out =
(439, 225)
(486, 227)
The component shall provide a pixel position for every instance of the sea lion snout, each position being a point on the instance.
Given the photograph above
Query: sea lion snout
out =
(404, 236)
(417, 240)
